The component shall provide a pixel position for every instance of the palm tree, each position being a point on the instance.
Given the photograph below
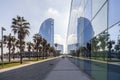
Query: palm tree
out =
(29, 44)
(14, 40)
(52, 51)
(20, 27)
(44, 43)
(8, 40)
(47, 50)
(40, 50)
(56, 47)
(37, 40)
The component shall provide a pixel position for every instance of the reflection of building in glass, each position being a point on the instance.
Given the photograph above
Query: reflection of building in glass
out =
(72, 48)
(60, 48)
(84, 31)
(47, 30)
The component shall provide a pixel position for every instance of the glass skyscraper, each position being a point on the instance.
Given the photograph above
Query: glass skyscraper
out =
(47, 30)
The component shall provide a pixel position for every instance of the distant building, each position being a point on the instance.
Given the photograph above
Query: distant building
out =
(72, 47)
(47, 30)
(60, 48)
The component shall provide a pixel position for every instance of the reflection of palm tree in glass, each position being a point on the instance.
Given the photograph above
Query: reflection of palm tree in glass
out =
(117, 48)
(110, 43)
(103, 40)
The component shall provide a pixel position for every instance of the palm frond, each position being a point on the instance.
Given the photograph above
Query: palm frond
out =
(26, 23)
(14, 26)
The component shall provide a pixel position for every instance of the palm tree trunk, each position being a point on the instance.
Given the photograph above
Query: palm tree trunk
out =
(37, 54)
(46, 54)
(29, 54)
(9, 55)
(20, 57)
(21, 51)
(43, 53)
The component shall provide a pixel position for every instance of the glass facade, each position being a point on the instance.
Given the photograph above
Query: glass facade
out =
(47, 30)
(94, 30)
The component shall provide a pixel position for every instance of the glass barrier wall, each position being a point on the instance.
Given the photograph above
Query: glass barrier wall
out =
(93, 37)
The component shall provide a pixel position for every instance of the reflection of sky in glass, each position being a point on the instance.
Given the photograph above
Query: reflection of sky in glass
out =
(114, 32)
(73, 21)
(114, 17)
(84, 8)
(76, 11)
(100, 21)
(96, 4)
(114, 11)
(89, 9)
(88, 12)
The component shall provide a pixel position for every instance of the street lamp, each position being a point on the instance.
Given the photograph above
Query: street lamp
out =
(2, 29)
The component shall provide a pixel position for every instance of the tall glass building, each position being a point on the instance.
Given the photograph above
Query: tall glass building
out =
(94, 25)
(47, 30)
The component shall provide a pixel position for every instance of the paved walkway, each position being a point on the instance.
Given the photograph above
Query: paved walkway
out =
(23, 65)
(65, 70)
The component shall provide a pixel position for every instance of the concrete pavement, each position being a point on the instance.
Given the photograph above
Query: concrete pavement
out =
(65, 70)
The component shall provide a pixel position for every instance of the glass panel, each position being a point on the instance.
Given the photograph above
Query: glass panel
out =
(114, 53)
(114, 11)
(96, 5)
(99, 42)
(88, 9)
(100, 21)
(99, 56)
(114, 40)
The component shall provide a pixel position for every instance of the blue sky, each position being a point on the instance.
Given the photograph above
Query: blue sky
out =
(35, 12)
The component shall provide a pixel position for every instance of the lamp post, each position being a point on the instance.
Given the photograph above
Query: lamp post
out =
(2, 56)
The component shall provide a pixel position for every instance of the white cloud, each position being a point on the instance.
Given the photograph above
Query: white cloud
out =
(78, 11)
(58, 39)
(52, 12)
(72, 39)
